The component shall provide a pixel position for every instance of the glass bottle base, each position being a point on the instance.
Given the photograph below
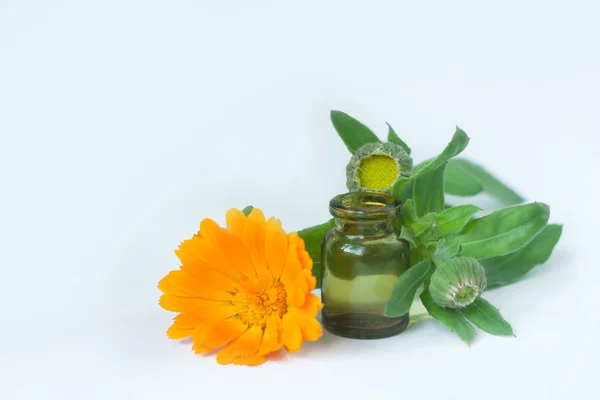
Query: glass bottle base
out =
(363, 325)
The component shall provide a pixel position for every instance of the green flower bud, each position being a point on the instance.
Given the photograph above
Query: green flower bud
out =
(457, 282)
(377, 166)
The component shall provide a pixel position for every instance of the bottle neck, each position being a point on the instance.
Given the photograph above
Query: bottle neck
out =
(367, 214)
(350, 227)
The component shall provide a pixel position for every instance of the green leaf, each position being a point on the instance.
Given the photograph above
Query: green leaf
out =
(408, 215)
(510, 268)
(313, 237)
(446, 248)
(458, 184)
(504, 231)
(465, 178)
(428, 192)
(459, 142)
(453, 319)
(455, 218)
(247, 210)
(406, 234)
(405, 288)
(353, 133)
(422, 224)
(487, 318)
(393, 138)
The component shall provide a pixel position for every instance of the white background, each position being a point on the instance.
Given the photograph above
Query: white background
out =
(124, 123)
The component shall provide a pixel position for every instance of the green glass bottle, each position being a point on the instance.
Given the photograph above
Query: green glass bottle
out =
(362, 257)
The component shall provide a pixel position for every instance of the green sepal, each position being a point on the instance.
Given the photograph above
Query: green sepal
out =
(405, 288)
(487, 318)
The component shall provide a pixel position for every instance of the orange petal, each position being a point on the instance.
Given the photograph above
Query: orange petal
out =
(276, 247)
(312, 305)
(175, 332)
(251, 360)
(293, 266)
(236, 220)
(291, 334)
(193, 318)
(213, 256)
(188, 251)
(212, 278)
(170, 284)
(303, 255)
(234, 253)
(253, 238)
(178, 285)
(208, 250)
(299, 289)
(246, 345)
(200, 253)
(208, 229)
(178, 304)
(310, 327)
(262, 281)
(271, 339)
(217, 333)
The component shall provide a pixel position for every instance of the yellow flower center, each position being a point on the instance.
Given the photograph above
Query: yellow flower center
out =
(377, 171)
(254, 308)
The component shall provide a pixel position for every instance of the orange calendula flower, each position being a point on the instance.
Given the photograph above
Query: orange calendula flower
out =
(244, 291)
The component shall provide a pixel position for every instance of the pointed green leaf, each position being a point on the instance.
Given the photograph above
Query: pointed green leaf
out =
(313, 237)
(405, 289)
(406, 234)
(465, 178)
(353, 133)
(487, 318)
(247, 210)
(446, 248)
(428, 192)
(459, 142)
(455, 218)
(393, 138)
(453, 319)
(504, 231)
(507, 269)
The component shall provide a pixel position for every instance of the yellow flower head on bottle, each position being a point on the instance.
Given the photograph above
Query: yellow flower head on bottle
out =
(243, 291)
(377, 166)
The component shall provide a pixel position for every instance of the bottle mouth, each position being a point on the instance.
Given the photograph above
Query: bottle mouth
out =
(365, 206)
